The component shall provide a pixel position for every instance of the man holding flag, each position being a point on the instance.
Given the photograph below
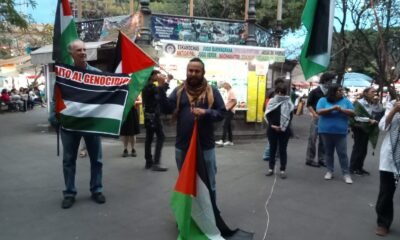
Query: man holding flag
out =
(68, 49)
(196, 105)
(71, 140)
(194, 99)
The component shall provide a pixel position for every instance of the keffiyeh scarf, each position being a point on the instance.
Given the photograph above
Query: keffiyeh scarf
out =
(286, 108)
(395, 142)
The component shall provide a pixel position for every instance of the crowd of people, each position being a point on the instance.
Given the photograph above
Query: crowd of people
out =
(23, 99)
(333, 117)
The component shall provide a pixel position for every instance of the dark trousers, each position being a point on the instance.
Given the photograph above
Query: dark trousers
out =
(159, 144)
(276, 139)
(227, 130)
(360, 149)
(384, 204)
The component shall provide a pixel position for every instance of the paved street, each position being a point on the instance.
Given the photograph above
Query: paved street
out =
(302, 207)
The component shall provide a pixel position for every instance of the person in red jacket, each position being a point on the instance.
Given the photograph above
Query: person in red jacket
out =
(5, 97)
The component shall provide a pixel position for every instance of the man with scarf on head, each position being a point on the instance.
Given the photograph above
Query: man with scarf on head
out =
(194, 99)
(389, 167)
(278, 115)
(313, 98)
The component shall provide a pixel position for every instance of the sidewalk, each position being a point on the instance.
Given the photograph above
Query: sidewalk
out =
(302, 207)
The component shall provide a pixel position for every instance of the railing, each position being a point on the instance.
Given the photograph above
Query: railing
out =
(89, 31)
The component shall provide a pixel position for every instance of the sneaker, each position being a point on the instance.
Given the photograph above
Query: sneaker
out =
(270, 173)
(133, 153)
(282, 175)
(220, 142)
(328, 176)
(228, 143)
(159, 168)
(98, 198)
(381, 231)
(67, 202)
(125, 153)
(347, 179)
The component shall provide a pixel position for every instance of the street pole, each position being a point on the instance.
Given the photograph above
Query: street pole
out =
(278, 28)
(131, 6)
(251, 23)
(145, 36)
(191, 7)
(79, 10)
(246, 9)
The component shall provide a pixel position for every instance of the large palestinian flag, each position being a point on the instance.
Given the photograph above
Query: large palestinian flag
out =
(131, 59)
(194, 204)
(318, 18)
(64, 32)
(89, 101)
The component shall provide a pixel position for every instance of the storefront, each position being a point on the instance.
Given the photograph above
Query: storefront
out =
(244, 67)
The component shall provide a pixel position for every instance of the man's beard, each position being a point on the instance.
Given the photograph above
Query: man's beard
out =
(194, 81)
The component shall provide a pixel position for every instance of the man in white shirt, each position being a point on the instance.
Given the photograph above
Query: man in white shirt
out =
(389, 167)
(230, 104)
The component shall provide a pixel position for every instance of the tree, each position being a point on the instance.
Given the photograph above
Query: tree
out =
(373, 41)
(12, 22)
(291, 14)
(10, 17)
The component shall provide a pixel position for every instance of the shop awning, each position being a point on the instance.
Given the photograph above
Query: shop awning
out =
(44, 54)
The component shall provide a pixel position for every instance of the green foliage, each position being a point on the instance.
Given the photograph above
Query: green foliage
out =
(292, 10)
(9, 16)
(174, 7)
(372, 45)
(234, 9)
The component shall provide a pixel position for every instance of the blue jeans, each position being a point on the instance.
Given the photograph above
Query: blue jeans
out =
(338, 141)
(312, 144)
(70, 143)
(266, 153)
(209, 158)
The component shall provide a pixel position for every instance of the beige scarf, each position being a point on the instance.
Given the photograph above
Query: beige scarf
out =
(196, 95)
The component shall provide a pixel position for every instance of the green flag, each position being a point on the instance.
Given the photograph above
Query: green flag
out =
(318, 19)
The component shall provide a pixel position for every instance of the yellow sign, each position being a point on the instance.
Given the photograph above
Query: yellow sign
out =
(256, 87)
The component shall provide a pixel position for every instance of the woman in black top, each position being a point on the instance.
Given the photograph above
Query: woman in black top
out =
(278, 116)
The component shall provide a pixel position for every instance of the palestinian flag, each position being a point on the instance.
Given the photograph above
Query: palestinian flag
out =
(318, 18)
(131, 59)
(194, 204)
(64, 33)
(90, 102)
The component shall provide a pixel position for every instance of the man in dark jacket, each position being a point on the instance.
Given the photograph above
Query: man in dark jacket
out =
(152, 122)
(195, 98)
(312, 101)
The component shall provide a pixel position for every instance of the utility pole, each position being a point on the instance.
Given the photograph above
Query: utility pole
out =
(278, 29)
(246, 9)
(191, 7)
(131, 6)
(79, 10)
